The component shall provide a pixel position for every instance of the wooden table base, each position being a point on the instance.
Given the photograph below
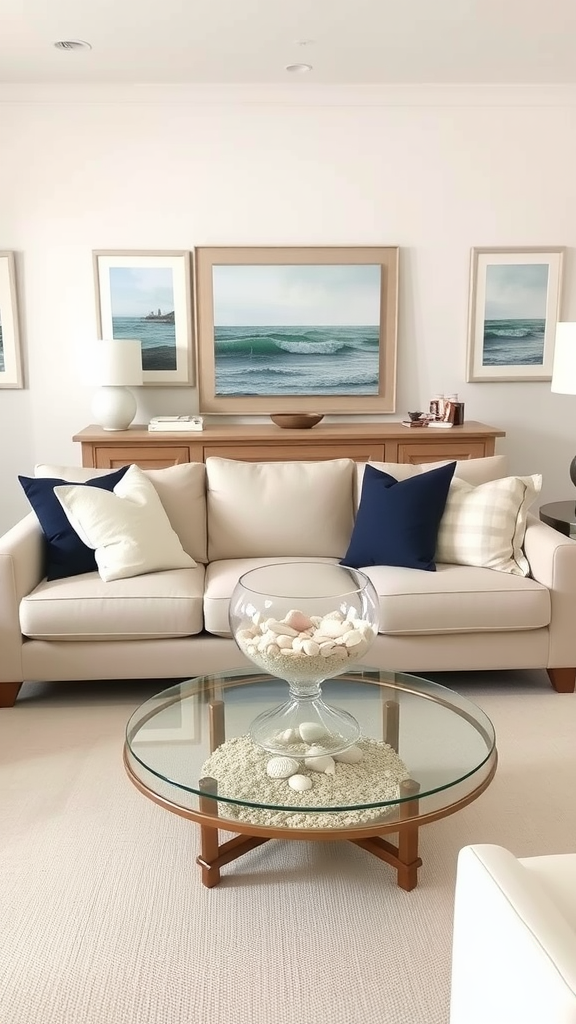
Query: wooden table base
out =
(404, 857)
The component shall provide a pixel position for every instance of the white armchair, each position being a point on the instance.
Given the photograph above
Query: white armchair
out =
(514, 946)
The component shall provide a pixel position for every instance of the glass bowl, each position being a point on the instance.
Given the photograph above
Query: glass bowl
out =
(304, 622)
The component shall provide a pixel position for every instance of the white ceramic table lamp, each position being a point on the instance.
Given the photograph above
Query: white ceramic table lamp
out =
(116, 364)
(564, 369)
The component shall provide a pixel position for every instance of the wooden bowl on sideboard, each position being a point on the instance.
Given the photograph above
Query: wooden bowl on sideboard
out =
(296, 420)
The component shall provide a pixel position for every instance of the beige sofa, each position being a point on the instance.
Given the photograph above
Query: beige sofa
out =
(231, 516)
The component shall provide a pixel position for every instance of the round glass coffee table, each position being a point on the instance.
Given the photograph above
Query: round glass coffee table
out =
(444, 743)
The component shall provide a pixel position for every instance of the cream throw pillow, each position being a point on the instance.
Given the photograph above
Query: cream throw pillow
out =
(129, 531)
(485, 525)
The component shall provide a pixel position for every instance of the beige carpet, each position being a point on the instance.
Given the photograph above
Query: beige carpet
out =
(103, 919)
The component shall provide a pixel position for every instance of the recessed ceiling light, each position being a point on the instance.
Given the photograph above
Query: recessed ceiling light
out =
(72, 44)
(298, 69)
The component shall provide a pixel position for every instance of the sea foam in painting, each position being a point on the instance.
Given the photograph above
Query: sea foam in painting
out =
(297, 360)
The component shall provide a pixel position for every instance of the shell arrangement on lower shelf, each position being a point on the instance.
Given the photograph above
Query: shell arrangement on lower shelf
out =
(369, 772)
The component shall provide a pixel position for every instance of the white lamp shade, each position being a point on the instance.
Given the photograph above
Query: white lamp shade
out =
(564, 368)
(116, 363)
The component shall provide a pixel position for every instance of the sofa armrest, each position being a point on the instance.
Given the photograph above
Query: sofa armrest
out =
(21, 569)
(552, 560)
(514, 953)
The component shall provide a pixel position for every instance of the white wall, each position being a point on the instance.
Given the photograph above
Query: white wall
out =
(435, 171)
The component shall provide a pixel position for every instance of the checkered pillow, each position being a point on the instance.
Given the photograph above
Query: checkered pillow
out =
(485, 525)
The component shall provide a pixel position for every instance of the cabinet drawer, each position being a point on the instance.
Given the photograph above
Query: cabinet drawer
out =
(418, 453)
(158, 456)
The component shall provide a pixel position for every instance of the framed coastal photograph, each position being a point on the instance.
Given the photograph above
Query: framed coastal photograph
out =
(148, 296)
(514, 307)
(10, 358)
(297, 329)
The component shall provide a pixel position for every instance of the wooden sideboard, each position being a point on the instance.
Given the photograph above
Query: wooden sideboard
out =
(376, 442)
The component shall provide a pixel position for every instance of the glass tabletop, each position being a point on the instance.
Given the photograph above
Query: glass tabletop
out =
(437, 740)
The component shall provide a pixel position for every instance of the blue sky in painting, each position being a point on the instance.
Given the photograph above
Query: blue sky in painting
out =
(248, 296)
(516, 291)
(135, 291)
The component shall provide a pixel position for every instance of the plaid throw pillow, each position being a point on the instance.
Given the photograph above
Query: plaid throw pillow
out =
(485, 525)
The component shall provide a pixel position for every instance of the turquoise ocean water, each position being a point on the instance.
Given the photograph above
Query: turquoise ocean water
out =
(513, 342)
(158, 340)
(300, 360)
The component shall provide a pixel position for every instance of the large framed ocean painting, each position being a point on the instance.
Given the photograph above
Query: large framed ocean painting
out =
(148, 296)
(514, 308)
(297, 329)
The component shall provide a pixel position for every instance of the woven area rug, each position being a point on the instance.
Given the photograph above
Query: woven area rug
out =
(103, 918)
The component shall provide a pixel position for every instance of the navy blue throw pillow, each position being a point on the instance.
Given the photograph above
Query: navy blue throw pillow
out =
(65, 554)
(397, 520)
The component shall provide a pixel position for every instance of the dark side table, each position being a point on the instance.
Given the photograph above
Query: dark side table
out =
(561, 515)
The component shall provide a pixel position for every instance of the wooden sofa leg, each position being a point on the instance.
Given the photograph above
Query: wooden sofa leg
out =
(8, 694)
(562, 679)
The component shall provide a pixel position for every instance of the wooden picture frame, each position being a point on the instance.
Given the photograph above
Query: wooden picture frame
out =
(513, 311)
(10, 356)
(148, 295)
(291, 329)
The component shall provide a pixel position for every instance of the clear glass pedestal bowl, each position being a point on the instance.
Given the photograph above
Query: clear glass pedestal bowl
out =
(304, 622)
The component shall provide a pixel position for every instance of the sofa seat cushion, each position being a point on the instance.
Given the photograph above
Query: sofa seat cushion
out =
(222, 577)
(457, 599)
(155, 606)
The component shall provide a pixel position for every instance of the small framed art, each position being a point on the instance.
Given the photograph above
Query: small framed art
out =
(10, 358)
(513, 310)
(148, 296)
(297, 329)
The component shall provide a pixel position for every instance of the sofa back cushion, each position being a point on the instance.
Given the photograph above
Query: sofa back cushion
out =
(473, 471)
(181, 489)
(272, 509)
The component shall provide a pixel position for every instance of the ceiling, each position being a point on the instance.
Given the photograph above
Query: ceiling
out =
(251, 41)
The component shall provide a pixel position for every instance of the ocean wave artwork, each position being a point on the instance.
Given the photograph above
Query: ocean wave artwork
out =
(514, 342)
(157, 335)
(297, 360)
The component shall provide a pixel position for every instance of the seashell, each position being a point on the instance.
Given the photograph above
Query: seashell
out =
(352, 638)
(284, 642)
(257, 618)
(310, 731)
(281, 628)
(298, 620)
(352, 614)
(289, 736)
(334, 615)
(272, 650)
(323, 764)
(331, 628)
(300, 783)
(310, 648)
(281, 767)
(326, 648)
(352, 755)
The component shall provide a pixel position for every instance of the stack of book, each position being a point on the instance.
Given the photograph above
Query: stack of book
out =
(175, 424)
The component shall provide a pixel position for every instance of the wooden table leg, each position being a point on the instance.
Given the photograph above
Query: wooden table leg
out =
(391, 723)
(208, 835)
(409, 861)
